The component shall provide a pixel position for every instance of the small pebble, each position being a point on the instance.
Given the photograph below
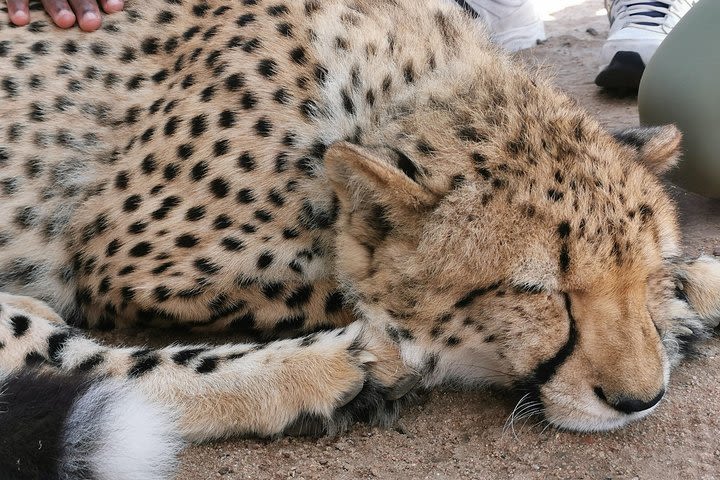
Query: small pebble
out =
(591, 31)
(716, 252)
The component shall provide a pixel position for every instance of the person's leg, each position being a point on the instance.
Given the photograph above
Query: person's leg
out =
(637, 27)
(514, 24)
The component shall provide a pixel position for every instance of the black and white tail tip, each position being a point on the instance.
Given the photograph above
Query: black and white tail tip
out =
(68, 427)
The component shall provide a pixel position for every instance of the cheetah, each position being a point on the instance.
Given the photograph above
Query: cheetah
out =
(368, 190)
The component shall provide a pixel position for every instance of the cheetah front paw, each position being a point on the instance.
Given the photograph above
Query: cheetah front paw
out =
(372, 403)
(700, 285)
(386, 386)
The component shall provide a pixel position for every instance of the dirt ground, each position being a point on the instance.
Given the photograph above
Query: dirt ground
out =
(460, 435)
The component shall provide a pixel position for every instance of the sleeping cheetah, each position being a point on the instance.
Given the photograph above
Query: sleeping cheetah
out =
(368, 188)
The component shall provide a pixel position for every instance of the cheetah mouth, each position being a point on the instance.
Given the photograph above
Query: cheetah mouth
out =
(571, 413)
(592, 418)
(586, 411)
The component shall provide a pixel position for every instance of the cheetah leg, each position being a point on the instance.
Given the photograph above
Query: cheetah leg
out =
(322, 381)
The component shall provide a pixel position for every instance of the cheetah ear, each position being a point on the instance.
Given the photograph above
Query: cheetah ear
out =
(354, 170)
(700, 285)
(658, 148)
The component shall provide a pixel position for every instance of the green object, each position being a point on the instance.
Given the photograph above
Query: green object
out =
(681, 85)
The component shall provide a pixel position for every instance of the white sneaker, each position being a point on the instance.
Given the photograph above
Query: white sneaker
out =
(637, 28)
(514, 24)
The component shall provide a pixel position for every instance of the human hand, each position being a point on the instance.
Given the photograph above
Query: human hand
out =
(85, 12)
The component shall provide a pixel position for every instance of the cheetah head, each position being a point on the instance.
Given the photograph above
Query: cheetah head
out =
(530, 261)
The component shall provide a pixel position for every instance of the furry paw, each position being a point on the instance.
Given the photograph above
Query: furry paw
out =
(374, 404)
(700, 285)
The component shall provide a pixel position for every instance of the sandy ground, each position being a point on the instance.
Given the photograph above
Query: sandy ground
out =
(460, 435)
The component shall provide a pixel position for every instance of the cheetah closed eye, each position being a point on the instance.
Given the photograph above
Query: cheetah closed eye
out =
(369, 190)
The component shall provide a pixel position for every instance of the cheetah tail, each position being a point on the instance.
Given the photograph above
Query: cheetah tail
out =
(74, 427)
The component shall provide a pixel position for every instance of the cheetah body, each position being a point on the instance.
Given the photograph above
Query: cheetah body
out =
(274, 168)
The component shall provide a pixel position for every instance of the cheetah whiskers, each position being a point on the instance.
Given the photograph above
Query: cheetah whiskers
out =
(547, 425)
(524, 409)
(509, 423)
(530, 410)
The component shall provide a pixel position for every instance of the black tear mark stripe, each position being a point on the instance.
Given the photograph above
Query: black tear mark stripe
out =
(546, 370)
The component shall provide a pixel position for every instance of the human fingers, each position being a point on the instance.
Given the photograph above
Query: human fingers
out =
(60, 12)
(87, 13)
(18, 12)
(112, 6)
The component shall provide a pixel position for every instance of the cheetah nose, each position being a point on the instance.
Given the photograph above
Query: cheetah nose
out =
(627, 404)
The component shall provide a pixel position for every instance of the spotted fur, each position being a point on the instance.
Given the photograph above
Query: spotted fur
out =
(372, 178)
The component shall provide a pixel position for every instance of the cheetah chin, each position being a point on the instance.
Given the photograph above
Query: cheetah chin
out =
(369, 192)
